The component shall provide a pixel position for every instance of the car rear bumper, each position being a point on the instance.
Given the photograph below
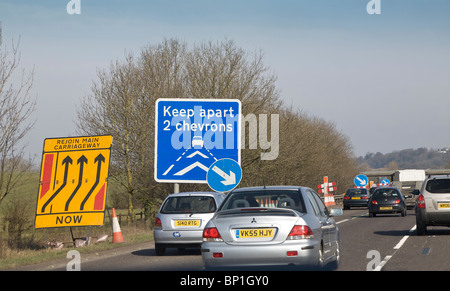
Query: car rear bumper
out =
(307, 253)
(356, 203)
(178, 237)
(438, 218)
(382, 208)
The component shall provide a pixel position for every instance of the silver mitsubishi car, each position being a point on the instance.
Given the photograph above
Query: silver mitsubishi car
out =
(182, 218)
(272, 226)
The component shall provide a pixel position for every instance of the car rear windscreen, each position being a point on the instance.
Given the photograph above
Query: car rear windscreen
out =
(438, 186)
(385, 193)
(189, 204)
(356, 192)
(265, 198)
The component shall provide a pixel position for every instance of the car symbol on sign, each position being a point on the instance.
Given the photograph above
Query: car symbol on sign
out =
(197, 141)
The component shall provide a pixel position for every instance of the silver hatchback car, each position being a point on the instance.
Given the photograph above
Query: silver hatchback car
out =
(182, 218)
(271, 226)
(433, 203)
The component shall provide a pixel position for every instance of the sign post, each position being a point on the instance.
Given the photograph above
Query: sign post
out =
(73, 181)
(325, 188)
(192, 134)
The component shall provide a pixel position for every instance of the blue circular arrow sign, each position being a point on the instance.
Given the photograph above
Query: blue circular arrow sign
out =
(385, 181)
(224, 175)
(361, 180)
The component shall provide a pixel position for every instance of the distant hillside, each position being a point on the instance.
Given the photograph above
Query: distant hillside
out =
(421, 158)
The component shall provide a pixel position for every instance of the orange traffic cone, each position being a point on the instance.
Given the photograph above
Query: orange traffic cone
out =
(117, 233)
(329, 199)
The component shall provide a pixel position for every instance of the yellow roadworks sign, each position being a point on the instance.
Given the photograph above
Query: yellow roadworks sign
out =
(73, 181)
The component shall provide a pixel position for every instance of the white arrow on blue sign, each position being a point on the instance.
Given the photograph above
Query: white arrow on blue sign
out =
(224, 175)
(191, 134)
(385, 182)
(361, 181)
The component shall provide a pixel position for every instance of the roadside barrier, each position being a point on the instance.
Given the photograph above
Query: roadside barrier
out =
(329, 199)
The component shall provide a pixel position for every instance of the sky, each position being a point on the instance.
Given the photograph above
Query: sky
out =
(382, 79)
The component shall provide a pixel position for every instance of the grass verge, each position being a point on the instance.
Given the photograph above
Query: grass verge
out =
(16, 258)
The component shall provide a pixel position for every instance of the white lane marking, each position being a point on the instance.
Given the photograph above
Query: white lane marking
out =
(396, 248)
(383, 262)
(353, 217)
(345, 220)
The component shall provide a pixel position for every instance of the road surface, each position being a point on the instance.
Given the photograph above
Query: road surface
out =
(382, 243)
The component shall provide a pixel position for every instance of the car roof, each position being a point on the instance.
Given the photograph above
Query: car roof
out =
(438, 177)
(196, 193)
(387, 188)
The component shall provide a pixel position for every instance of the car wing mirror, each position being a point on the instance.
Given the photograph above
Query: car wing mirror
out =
(336, 212)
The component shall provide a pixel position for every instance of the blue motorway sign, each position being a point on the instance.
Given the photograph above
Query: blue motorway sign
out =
(385, 182)
(191, 134)
(361, 180)
(224, 175)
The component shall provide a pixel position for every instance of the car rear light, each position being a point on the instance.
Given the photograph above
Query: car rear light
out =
(217, 255)
(365, 198)
(158, 224)
(300, 232)
(211, 234)
(420, 201)
(374, 202)
(397, 201)
(346, 197)
(292, 253)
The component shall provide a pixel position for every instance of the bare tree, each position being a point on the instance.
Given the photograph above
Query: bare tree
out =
(16, 106)
(122, 104)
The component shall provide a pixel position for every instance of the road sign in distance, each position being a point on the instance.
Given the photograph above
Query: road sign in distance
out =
(361, 180)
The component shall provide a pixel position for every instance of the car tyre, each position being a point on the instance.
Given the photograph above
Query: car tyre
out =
(335, 264)
(160, 250)
(421, 228)
(321, 263)
(371, 214)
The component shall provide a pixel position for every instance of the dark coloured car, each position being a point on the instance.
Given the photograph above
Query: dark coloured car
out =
(356, 197)
(387, 200)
